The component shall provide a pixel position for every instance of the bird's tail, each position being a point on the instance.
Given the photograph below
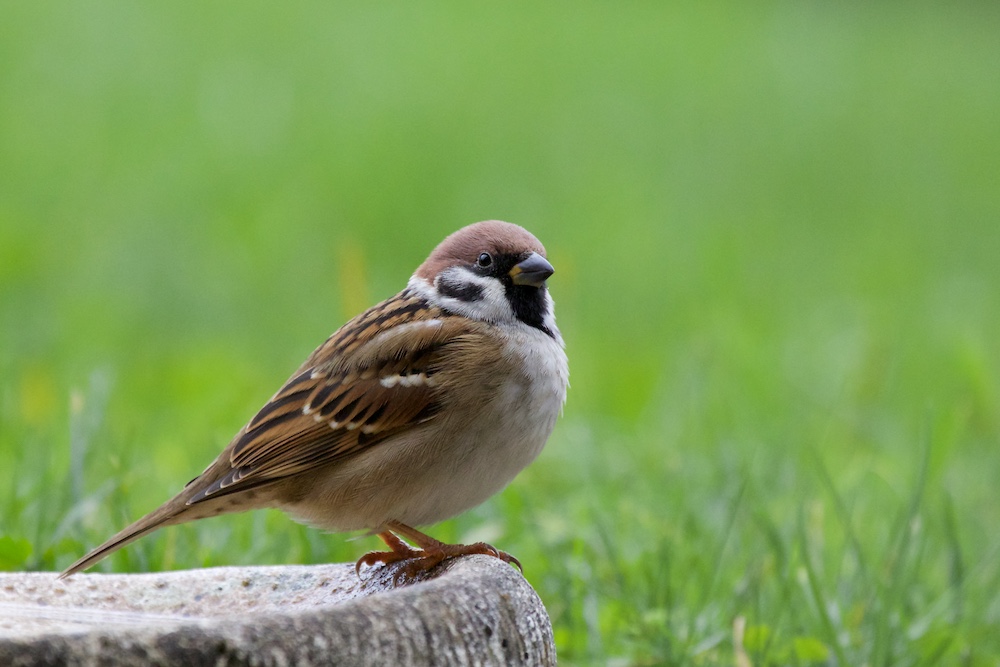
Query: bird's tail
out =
(166, 514)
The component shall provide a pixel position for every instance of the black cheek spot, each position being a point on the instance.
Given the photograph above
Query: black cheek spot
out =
(463, 291)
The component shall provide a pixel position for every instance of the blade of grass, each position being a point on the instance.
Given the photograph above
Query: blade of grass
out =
(888, 596)
(709, 590)
(842, 511)
(815, 590)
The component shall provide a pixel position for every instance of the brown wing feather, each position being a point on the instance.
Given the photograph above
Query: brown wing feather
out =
(370, 379)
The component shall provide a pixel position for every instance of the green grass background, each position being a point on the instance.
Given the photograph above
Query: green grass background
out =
(776, 229)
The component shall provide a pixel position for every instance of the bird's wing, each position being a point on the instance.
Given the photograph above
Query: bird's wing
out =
(373, 378)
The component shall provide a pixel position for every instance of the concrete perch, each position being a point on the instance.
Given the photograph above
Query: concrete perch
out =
(473, 610)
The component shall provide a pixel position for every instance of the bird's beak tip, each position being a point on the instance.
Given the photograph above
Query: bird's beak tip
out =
(532, 271)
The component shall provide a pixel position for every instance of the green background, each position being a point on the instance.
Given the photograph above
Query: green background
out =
(776, 230)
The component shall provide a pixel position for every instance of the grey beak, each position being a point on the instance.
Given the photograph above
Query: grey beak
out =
(533, 271)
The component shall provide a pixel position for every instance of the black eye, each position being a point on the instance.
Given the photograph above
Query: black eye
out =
(484, 260)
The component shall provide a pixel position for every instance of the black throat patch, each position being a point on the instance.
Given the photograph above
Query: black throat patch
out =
(528, 304)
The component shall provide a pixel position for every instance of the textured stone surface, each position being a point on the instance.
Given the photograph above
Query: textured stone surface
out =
(470, 611)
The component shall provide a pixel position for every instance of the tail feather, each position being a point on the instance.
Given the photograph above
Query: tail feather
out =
(166, 514)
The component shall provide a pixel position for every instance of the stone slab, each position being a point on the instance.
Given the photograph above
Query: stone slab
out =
(474, 610)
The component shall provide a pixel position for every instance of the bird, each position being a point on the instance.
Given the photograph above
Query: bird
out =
(416, 410)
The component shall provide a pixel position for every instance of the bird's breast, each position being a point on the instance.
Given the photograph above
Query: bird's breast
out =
(510, 394)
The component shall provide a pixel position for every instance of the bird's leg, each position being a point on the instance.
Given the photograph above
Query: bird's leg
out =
(442, 551)
(400, 551)
(431, 551)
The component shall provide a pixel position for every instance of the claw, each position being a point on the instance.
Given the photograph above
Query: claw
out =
(430, 554)
(400, 551)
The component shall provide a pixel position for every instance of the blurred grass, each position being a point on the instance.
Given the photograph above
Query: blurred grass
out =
(775, 229)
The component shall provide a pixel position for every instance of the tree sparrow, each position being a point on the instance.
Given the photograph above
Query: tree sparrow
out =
(414, 411)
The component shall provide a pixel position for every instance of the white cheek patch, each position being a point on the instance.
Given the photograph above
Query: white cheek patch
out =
(491, 306)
